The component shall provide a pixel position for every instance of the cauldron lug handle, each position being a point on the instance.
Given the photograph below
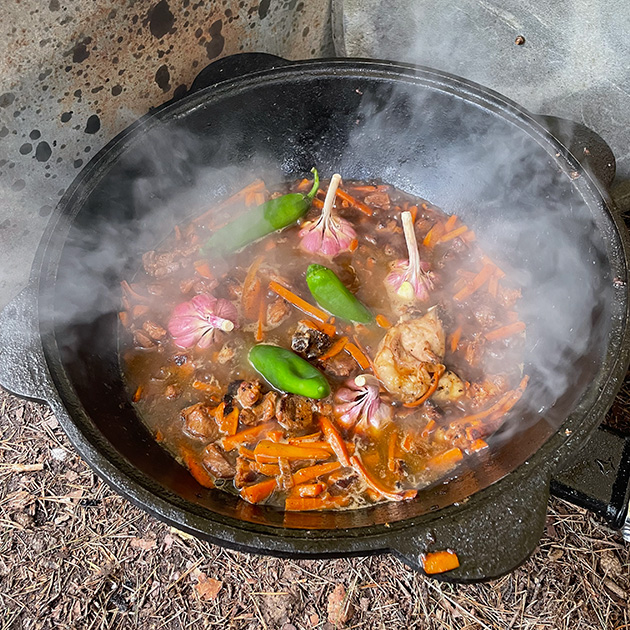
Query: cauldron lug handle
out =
(235, 66)
(23, 367)
(495, 532)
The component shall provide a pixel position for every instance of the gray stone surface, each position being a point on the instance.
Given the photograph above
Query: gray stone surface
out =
(73, 73)
(574, 62)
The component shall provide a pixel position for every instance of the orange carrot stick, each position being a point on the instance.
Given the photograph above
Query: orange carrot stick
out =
(298, 302)
(435, 379)
(124, 318)
(430, 425)
(318, 444)
(505, 331)
(449, 236)
(290, 451)
(313, 472)
(311, 437)
(228, 423)
(269, 470)
(477, 445)
(383, 322)
(308, 489)
(247, 453)
(252, 290)
(391, 451)
(326, 328)
(358, 356)
(256, 186)
(363, 188)
(433, 235)
(510, 396)
(493, 285)
(203, 269)
(376, 485)
(445, 460)
(498, 271)
(138, 394)
(335, 349)
(247, 436)
(439, 562)
(407, 442)
(414, 214)
(457, 335)
(262, 312)
(335, 440)
(201, 475)
(354, 202)
(318, 203)
(477, 282)
(259, 491)
(450, 223)
(303, 504)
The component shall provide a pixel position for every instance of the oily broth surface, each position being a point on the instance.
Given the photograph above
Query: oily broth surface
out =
(149, 371)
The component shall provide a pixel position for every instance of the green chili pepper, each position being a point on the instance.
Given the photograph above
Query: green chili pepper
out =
(332, 295)
(273, 215)
(288, 372)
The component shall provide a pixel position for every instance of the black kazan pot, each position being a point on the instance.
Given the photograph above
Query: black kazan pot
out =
(533, 206)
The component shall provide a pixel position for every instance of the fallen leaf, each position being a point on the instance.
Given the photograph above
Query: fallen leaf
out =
(146, 544)
(339, 608)
(207, 588)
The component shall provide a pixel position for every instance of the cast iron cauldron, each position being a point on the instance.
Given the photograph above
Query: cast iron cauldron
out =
(424, 131)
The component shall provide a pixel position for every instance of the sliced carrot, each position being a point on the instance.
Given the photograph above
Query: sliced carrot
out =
(247, 453)
(498, 270)
(354, 202)
(305, 184)
(478, 445)
(138, 394)
(304, 504)
(317, 203)
(382, 321)
(335, 349)
(449, 236)
(407, 442)
(317, 444)
(363, 188)
(439, 562)
(311, 437)
(477, 282)
(159, 436)
(209, 388)
(256, 186)
(203, 269)
(414, 214)
(510, 397)
(353, 245)
(326, 328)
(123, 316)
(252, 290)
(445, 460)
(259, 491)
(456, 336)
(505, 331)
(435, 379)
(298, 302)
(450, 223)
(358, 355)
(228, 423)
(377, 486)
(290, 451)
(335, 440)
(313, 472)
(391, 451)
(433, 235)
(262, 312)
(267, 469)
(493, 285)
(259, 198)
(247, 436)
(430, 425)
(276, 435)
(201, 475)
(308, 489)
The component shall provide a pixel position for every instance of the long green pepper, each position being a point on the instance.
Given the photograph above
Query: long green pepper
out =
(270, 216)
(288, 372)
(333, 295)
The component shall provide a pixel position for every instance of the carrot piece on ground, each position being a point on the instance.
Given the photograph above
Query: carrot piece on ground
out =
(358, 355)
(335, 440)
(262, 312)
(457, 335)
(430, 425)
(435, 379)
(298, 302)
(308, 489)
(335, 349)
(138, 394)
(391, 451)
(201, 475)
(267, 469)
(477, 282)
(290, 451)
(203, 269)
(383, 322)
(303, 504)
(449, 236)
(354, 202)
(325, 327)
(377, 486)
(313, 472)
(247, 436)
(439, 562)
(259, 491)
(445, 460)
(505, 331)
(256, 186)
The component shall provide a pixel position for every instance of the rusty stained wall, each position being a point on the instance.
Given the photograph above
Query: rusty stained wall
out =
(73, 73)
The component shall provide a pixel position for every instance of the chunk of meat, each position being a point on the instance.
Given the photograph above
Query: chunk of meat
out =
(215, 462)
(199, 422)
(490, 388)
(248, 417)
(342, 365)
(409, 354)
(266, 410)
(341, 481)
(309, 343)
(378, 200)
(450, 388)
(508, 297)
(171, 392)
(294, 413)
(277, 312)
(155, 331)
(161, 265)
(142, 340)
(226, 354)
(248, 393)
(244, 473)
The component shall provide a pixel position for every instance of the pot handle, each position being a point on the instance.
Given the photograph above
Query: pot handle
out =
(588, 147)
(23, 368)
(495, 533)
(235, 66)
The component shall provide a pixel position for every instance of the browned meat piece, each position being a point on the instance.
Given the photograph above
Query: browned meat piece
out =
(309, 343)
(493, 386)
(155, 331)
(186, 286)
(277, 312)
(216, 463)
(294, 413)
(474, 350)
(266, 410)
(199, 423)
(225, 354)
(341, 365)
(485, 315)
(142, 340)
(155, 289)
(160, 265)
(378, 200)
(230, 288)
(171, 392)
(248, 417)
(342, 479)
(139, 310)
(248, 393)
(508, 297)
(244, 473)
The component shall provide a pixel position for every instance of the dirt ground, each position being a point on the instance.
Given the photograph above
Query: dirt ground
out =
(75, 555)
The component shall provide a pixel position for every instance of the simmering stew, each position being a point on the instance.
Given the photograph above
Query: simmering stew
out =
(324, 347)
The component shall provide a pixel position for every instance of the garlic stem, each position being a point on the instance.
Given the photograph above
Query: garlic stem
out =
(412, 243)
(330, 197)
